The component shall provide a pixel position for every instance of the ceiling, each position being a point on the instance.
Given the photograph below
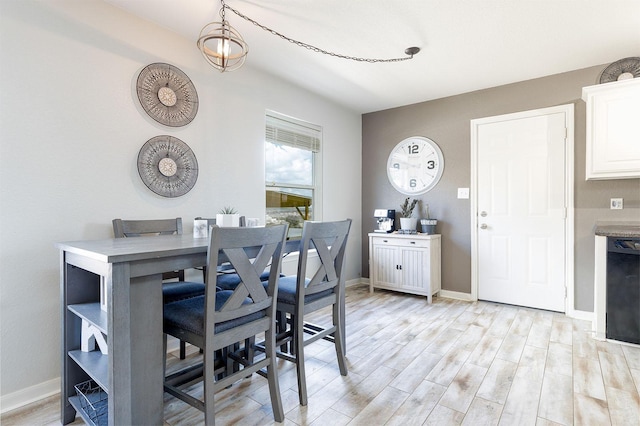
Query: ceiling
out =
(466, 45)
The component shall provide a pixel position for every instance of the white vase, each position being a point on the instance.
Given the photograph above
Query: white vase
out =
(228, 220)
(408, 223)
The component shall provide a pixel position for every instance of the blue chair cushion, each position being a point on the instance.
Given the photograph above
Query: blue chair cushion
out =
(287, 290)
(172, 292)
(188, 314)
(229, 281)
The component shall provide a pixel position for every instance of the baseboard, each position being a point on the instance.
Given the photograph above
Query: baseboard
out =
(28, 395)
(357, 281)
(581, 315)
(456, 295)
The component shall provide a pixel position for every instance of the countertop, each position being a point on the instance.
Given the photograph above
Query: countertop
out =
(618, 229)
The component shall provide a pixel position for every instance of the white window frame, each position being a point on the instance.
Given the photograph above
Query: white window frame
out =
(298, 133)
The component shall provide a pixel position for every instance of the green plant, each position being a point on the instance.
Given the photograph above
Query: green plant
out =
(227, 210)
(406, 208)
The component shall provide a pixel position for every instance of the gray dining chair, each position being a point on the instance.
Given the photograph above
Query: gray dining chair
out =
(210, 223)
(299, 296)
(225, 319)
(171, 290)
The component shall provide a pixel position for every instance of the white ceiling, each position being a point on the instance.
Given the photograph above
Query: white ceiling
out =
(466, 45)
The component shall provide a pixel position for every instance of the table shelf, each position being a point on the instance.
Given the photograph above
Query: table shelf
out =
(92, 313)
(75, 403)
(95, 365)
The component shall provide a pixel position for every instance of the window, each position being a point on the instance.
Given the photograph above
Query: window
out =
(292, 172)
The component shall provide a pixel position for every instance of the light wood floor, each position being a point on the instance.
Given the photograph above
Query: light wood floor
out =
(448, 363)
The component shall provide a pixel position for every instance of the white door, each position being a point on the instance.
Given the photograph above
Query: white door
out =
(521, 208)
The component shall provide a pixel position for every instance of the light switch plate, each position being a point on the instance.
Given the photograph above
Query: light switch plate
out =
(616, 204)
(463, 193)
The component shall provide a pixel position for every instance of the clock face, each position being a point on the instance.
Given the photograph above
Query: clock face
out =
(415, 165)
(167, 166)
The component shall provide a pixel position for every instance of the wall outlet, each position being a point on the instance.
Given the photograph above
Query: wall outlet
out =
(463, 193)
(616, 204)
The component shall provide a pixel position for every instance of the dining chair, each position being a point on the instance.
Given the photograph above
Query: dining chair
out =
(171, 290)
(225, 319)
(225, 284)
(299, 296)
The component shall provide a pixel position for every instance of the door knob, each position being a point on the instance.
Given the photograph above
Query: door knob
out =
(483, 226)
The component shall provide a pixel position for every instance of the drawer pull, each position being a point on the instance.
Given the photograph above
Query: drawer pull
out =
(413, 242)
(385, 241)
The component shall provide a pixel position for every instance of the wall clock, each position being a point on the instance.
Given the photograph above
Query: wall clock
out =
(415, 165)
(167, 94)
(167, 166)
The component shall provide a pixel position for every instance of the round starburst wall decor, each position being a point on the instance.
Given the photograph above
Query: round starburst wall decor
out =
(167, 94)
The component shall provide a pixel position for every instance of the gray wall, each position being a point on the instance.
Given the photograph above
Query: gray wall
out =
(447, 122)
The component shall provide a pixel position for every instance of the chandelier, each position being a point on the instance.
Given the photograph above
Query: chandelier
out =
(223, 47)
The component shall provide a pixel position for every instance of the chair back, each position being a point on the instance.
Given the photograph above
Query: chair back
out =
(249, 251)
(153, 227)
(139, 228)
(329, 239)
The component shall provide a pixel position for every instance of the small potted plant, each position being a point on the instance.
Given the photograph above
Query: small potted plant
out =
(228, 217)
(406, 213)
(427, 224)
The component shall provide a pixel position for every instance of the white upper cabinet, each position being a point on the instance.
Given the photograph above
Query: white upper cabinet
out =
(613, 130)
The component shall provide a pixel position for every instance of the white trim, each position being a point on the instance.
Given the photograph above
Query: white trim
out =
(580, 315)
(568, 110)
(600, 288)
(467, 297)
(357, 281)
(29, 395)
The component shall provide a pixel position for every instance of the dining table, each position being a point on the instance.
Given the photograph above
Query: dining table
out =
(115, 286)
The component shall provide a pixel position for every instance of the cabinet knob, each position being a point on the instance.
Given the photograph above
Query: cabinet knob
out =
(483, 214)
(483, 226)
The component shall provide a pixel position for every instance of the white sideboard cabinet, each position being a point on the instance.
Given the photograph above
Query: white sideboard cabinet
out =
(613, 130)
(406, 263)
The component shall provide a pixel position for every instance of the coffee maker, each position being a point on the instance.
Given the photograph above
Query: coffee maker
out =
(385, 220)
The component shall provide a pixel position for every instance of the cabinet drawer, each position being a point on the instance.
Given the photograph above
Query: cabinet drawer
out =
(401, 242)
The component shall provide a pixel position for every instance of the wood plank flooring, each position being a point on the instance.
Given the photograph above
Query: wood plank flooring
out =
(449, 363)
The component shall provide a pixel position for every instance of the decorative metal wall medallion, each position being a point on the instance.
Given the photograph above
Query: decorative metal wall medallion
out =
(167, 166)
(167, 94)
(622, 69)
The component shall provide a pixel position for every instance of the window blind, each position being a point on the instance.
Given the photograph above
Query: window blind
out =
(295, 133)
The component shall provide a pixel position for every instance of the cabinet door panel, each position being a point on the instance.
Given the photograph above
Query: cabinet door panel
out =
(386, 264)
(415, 272)
(612, 129)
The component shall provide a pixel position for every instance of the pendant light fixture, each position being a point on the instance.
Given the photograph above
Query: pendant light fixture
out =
(222, 45)
(225, 49)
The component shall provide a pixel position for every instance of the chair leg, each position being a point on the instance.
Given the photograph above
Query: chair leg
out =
(183, 349)
(209, 388)
(281, 327)
(272, 376)
(164, 356)
(338, 339)
(298, 345)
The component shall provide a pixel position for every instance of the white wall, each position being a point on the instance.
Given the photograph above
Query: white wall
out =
(70, 131)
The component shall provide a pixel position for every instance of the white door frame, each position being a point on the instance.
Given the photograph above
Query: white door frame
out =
(569, 180)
